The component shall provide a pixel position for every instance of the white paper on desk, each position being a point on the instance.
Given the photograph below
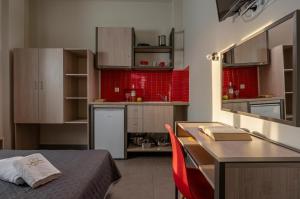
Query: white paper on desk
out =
(222, 129)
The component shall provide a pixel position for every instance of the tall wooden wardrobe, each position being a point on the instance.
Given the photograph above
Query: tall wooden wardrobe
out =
(52, 89)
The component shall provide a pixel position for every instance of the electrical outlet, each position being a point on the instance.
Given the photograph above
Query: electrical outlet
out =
(117, 89)
(242, 86)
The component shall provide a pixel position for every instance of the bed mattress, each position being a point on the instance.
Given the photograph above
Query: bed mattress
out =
(85, 175)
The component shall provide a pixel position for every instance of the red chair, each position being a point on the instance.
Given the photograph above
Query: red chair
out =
(190, 182)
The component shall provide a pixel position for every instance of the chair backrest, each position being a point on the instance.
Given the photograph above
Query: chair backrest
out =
(178, 165)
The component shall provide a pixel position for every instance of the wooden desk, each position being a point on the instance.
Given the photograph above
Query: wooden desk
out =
(254, 169)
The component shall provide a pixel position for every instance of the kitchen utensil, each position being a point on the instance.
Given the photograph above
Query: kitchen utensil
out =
(127, 97)
(147, 145)
(138, 141)
(144, 63)
(162, 64)
(162, 40)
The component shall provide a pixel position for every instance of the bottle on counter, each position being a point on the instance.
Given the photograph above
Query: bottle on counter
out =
(133, 94)
(230, 91)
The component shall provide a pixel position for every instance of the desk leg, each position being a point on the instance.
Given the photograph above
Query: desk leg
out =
(219, 180)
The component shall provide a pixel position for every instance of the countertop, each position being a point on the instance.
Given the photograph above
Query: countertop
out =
(256, 150)
(161, 103)
(252, 99)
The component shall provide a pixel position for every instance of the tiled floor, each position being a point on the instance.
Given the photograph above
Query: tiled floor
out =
(144, 178)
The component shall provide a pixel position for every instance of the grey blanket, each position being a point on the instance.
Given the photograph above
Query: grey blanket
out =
(85, 175)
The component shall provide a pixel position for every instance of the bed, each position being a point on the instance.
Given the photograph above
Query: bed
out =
(86, 174)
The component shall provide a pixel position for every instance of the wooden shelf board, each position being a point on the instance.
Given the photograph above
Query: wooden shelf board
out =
(134, 148)
(152, 68)
(77, 51)
(153, 49)
(288, 70)
(76, 98)
(147, 133)
(209, 173)
(77, 121)
(289, 92)
(76, 75)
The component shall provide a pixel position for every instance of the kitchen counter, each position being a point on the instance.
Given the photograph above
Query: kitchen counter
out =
(161, 103)
(252, 99)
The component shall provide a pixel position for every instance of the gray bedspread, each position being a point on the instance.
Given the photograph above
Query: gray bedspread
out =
(85, 175)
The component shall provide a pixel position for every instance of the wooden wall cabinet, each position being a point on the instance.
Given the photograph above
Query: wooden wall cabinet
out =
(38, 94)
(52, 89)
(114, 47)
(26, 86)
(251, 52)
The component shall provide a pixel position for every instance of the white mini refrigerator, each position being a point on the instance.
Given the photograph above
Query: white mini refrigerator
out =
(109, 130)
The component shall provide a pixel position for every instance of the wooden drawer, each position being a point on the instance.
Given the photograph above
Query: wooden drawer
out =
(134, 111)
(134, 125)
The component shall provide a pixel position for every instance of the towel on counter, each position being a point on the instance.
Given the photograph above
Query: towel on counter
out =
(36, 170)
(8, 172)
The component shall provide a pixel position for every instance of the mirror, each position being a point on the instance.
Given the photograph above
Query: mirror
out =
(259, 75)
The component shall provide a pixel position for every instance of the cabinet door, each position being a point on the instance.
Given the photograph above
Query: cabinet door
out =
(253, 51)
(155, 118)
(135, 118)
(236, 106)
(114, 47)
(26, 85)
(51, 86)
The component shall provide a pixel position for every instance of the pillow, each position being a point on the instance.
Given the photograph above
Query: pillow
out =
(36, 170)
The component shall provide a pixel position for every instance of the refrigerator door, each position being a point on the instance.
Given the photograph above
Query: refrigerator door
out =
(109, 131)
(267, 110)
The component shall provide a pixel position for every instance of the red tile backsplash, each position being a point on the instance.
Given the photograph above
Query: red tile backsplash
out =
(241, 75)
(148, 84)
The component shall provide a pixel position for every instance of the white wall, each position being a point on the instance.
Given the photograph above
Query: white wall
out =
(72, 23)
(200, 36)
(221, 35)
(13, 22)
(1, 66)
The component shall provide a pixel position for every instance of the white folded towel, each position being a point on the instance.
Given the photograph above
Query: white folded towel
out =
(8, 172)
(36, 170)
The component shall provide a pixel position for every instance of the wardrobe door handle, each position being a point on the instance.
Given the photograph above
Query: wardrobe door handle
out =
(36, 85)
(42, 85)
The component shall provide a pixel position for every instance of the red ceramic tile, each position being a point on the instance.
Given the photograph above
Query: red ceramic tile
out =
(241, 75)
(150, 85)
